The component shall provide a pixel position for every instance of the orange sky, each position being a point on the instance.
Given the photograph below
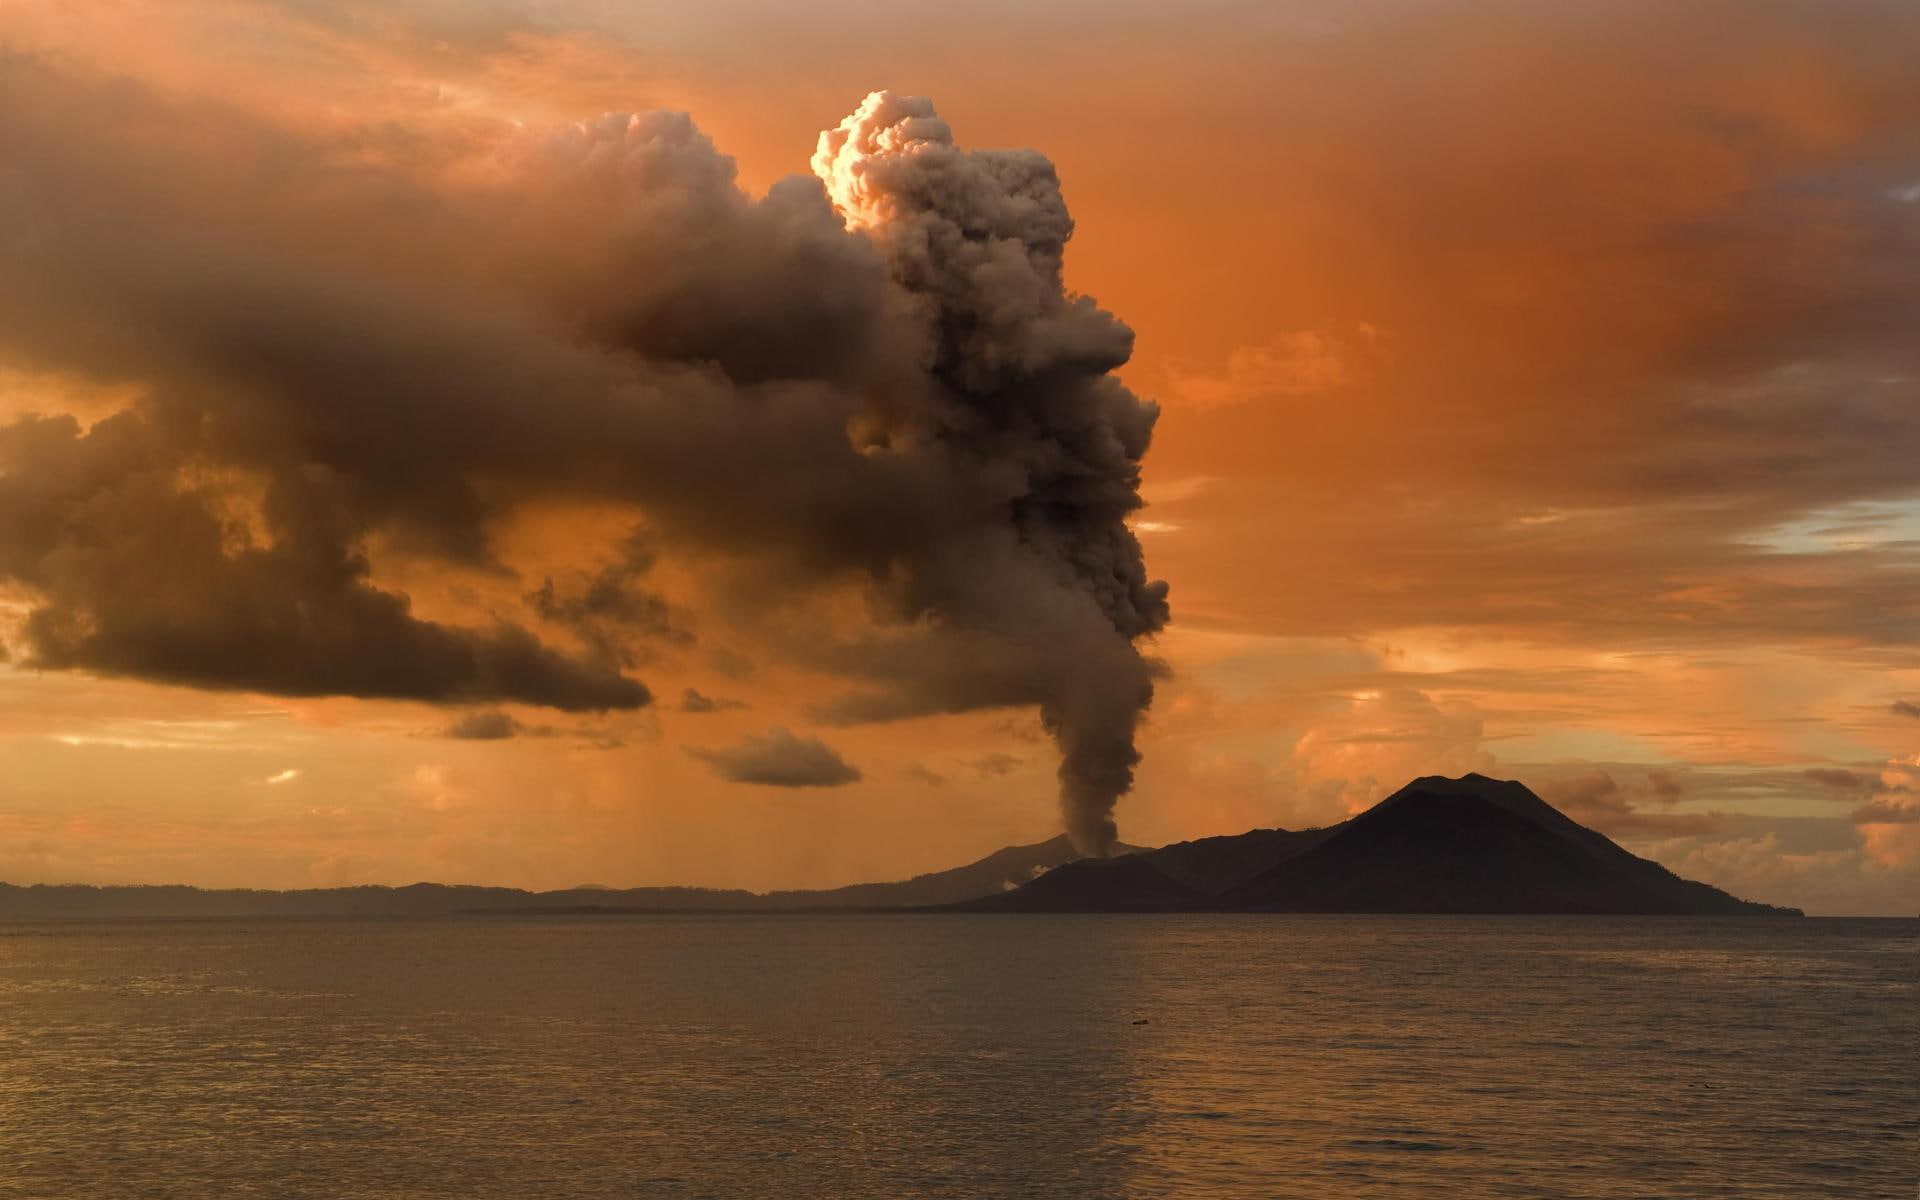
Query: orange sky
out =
(1539, 397)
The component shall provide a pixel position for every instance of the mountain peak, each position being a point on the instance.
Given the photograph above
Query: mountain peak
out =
(1471, 844)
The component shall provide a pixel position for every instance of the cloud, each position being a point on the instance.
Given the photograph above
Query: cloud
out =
(1365, 746)
(1877, 876)
(921, 773)
(779, 759)
(1840, 779)
(497, 725)
(1887, 821)
(486, 725)
(1302, 363)
(1611, 413)
(220, 609)
(995, 765)
(873, 379)
(692, 700)
(1905, 708)
(610, 610)
(1888, 810)
(1597, 799)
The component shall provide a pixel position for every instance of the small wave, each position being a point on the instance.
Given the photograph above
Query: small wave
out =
(1399, 1144)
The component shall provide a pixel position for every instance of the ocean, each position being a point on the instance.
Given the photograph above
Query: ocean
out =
(961, 1056)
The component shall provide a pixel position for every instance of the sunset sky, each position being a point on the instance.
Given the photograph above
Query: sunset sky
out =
(1539, 394)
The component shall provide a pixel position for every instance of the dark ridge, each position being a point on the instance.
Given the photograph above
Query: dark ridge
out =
(1119, 885)
(414, 900)
(1468, 845)
(1005, 868)
(1219, 864)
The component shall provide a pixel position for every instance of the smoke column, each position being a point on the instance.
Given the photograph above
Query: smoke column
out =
(977, 237)
(870, 385)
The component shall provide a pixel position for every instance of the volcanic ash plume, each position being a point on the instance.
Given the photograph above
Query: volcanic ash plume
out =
(1025, 399)
(878, 389)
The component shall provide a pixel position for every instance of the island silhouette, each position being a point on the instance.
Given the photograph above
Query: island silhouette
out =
(1438, 845)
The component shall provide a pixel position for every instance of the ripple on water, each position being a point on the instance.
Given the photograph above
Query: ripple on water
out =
(926, 1056)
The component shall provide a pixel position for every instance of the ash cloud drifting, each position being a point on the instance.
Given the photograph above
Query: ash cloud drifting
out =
(879, 381)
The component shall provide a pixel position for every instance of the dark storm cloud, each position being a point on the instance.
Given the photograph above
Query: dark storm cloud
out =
(779, 759)
(326, 327)
(140, 575)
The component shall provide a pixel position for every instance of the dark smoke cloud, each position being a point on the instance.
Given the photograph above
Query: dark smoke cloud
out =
(138, 574)
(779, 759)
(1057, 584)
(882, 381)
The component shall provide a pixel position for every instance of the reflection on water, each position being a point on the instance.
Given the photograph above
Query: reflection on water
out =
(960, 1056)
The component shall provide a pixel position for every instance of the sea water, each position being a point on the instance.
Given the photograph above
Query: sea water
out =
(962, 1056)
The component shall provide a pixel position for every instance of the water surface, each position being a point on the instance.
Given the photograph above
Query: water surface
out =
(893, 1056)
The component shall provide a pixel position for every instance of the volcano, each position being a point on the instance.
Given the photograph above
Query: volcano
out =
(1438, 845)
